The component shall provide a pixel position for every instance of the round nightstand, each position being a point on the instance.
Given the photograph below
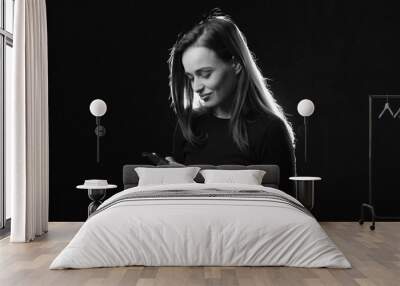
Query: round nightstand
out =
(96, 194)
(305, 190)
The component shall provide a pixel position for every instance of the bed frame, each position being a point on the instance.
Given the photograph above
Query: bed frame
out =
(271, 178)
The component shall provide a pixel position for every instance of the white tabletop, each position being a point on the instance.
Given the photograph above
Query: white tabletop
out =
(87, 187)
(304, 178)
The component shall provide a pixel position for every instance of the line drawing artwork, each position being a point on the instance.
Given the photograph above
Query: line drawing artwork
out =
(387, 107)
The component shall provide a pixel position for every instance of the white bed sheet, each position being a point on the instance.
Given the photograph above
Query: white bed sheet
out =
(202, 232)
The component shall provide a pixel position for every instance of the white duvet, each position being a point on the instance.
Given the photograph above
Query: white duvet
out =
(200, 231)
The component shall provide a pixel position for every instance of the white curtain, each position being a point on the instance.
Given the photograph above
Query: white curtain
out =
(27, 147)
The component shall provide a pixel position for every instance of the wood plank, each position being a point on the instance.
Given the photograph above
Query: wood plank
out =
(374, 255)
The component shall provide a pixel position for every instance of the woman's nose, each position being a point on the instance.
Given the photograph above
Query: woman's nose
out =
(197, 85)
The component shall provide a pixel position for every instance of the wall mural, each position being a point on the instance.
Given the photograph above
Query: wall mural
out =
(316, 53)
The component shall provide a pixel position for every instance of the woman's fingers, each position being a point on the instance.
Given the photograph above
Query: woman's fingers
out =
(169, 159)
(172, 161)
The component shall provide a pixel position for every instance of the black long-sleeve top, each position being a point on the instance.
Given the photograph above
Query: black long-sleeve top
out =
(269, 143)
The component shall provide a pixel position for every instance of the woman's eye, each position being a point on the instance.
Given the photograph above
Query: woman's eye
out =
(206, 75)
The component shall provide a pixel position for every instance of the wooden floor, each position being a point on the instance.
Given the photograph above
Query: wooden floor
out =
(374, 255)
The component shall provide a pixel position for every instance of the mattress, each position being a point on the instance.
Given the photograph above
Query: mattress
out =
(201, 225)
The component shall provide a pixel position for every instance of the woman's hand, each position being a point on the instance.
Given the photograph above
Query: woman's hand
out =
(172, 162)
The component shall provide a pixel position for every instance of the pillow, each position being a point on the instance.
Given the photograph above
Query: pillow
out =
(249, 177)
(162, 176)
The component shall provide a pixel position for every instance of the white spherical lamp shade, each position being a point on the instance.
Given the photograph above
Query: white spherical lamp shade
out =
(305, 107)
(98, 107)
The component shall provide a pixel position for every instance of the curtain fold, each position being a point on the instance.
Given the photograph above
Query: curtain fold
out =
(27, 143)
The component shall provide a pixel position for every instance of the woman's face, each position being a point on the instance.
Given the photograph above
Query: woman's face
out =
(212, 79)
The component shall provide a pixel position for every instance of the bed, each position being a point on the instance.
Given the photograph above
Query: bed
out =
(201, 224)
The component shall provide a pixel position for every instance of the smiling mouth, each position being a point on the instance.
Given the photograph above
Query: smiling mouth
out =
(205, 97)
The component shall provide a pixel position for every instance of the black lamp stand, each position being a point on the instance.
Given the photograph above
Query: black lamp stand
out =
(305, 139)
(100, 131)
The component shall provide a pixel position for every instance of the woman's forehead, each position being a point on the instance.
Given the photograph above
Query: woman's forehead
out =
(195, 58)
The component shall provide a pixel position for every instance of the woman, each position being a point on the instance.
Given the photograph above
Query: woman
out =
(226, 114)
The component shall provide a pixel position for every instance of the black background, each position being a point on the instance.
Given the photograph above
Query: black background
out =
(332, 52)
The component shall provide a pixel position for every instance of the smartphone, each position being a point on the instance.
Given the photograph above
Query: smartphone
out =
(155, 158)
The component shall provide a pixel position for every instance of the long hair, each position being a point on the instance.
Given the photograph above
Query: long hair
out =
(220, 34)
